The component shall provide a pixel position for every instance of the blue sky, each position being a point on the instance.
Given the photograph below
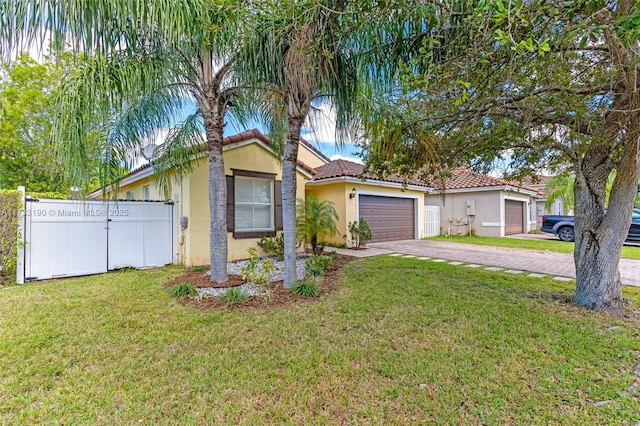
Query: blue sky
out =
(322, 138)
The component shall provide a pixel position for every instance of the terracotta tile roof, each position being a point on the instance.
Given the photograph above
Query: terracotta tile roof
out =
(345, 168)
(241, 137)
(464, 177)
(461, 177)
(537, 180)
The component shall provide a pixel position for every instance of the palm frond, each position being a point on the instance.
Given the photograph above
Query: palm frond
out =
(119, 100)
(177, 156)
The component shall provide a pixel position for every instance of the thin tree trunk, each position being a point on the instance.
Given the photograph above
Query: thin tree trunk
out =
(214, 125)
(289, 185)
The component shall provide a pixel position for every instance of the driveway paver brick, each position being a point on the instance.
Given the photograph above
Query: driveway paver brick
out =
(498, 258)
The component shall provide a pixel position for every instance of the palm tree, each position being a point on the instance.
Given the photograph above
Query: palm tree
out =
(560, 187)
(315, 219)
(148, 60)
(300, 54)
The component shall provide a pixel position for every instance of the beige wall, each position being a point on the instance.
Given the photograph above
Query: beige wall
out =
(338, 194)
(191, 198)
(347, 208)
(488, 221)
(137, 189)
(309, 158)
(254, 157)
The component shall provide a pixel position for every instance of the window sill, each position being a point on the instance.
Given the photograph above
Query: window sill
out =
(241, 235)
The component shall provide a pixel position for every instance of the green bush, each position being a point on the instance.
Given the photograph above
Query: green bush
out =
(336, 245)
(321, 261)
(183, 290)
(273, 245)
(233, 296)
(49, 195)
(305, 288)
(315, 271)
(199, 268)
(10, 202)
(360, 233)
(315, 219)
(256, 272)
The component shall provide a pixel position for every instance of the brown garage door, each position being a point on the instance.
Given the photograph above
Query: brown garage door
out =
(390, 218)
(513, 214)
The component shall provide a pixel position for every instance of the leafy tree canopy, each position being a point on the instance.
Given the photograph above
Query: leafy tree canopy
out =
(548, 84)
(27, 98)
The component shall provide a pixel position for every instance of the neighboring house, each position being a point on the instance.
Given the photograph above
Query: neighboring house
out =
(539, 183)
(254, 202)
(392, 207)
(473, 203)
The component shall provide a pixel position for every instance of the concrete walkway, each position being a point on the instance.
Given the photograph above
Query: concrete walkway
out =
(536, 261)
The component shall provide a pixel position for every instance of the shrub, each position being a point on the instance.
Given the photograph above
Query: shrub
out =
(360, 233)
(233, 296)
(49, 195)
(305, 288)
(321, 261)
(255, 272)
(273, 245)
(199, 268)
(336, 245)
(9, 214)
(315, 271)
(315, 219)
(183, 290)
(333, 255)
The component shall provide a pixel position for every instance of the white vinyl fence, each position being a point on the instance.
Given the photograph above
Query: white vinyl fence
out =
(431, 221)
(71, 238)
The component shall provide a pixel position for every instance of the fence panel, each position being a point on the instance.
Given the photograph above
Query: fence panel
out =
(72, 238)
(431, 221)
(140, 235)
(64, 238)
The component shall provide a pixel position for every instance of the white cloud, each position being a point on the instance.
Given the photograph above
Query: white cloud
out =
(320, 130)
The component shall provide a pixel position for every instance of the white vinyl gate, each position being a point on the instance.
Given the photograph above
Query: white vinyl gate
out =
(71, 238)
(431, 221)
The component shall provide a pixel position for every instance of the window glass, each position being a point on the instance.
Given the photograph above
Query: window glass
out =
(253, 204)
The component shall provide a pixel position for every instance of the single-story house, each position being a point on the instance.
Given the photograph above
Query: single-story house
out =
(475, 204)
(254, 201)
(393, 206)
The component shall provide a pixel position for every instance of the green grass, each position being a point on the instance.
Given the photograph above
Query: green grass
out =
(401, 341)
(629, 252)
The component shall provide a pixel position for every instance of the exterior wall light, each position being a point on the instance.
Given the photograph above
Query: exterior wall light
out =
(352, 194)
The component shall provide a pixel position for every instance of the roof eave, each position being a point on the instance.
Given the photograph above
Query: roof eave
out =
(373, 182)
(507, 188)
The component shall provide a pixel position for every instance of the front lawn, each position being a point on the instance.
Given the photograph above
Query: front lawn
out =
(629, 252)
(401, 341)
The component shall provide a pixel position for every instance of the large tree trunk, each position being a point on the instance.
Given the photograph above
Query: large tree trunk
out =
(600, 236)
(214, 125)
(289, 184)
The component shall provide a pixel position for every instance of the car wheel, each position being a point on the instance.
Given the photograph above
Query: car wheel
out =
(566, 234)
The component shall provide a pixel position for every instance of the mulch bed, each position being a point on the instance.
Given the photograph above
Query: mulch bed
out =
(280, 295)
(201, 279)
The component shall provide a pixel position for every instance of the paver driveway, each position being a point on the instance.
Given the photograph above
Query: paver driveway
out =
(543, 262)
